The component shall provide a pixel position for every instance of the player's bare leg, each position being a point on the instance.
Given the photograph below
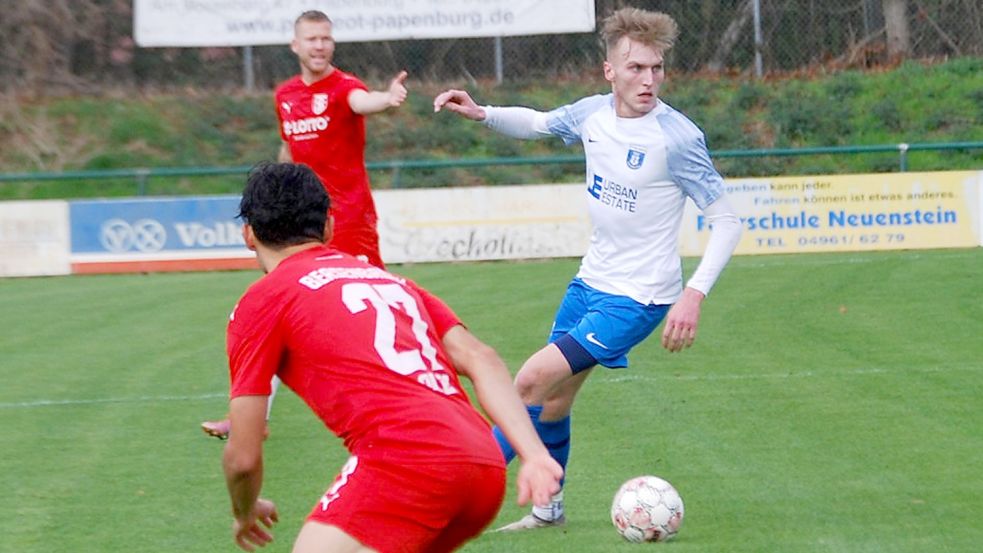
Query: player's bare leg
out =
(545, 379)
(559, 403)
(315, 537)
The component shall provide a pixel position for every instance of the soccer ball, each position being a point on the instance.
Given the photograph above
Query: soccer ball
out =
(647, 508)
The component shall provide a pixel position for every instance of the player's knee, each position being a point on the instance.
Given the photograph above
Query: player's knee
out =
(534, 384)
(525, 385)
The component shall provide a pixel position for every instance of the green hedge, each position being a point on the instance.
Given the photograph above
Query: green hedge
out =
(915, 103)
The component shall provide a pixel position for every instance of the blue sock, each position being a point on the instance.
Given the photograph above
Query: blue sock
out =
(555, 435)
(504, 445)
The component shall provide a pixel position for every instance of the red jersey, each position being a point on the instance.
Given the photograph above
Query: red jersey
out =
(324, 133)
(363, 349)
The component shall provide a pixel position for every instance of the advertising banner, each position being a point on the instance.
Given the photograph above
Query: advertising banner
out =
(780, 215)
(157, 234)
(893, 211)
(500, 222)
(256, 22)
(34, 238)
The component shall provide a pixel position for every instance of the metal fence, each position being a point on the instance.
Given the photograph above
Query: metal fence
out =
(138, 178)
(87, 45)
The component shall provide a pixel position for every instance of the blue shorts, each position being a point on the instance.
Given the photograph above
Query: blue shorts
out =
(604, 326)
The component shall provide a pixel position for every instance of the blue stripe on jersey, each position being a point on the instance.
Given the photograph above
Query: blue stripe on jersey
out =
(567, 121)
(688, 160)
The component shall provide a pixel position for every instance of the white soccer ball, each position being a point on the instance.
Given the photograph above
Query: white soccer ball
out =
(647, 508)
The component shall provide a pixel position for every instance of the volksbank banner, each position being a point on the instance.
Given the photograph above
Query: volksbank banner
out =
(157, 234)
(850, 213)
(256, 22)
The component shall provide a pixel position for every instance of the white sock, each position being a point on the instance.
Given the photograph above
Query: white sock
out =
(552, 511)
(274, 384)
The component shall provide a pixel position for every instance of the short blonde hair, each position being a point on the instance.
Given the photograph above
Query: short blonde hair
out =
(312, 16)
(655, 29)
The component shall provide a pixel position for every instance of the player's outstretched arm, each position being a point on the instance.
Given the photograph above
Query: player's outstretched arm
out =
(539, 476)
(515, 121)
(242, 462)
(367, 103)
(459, 102)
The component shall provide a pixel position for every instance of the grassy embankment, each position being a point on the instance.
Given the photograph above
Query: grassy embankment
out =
(914, 103)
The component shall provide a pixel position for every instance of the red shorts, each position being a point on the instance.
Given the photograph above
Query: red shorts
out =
(415, 508)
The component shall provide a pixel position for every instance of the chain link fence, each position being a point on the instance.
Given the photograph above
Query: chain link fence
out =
(86, 46)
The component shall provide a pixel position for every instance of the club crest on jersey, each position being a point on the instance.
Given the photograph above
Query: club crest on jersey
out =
(636, 156)
(319, 103)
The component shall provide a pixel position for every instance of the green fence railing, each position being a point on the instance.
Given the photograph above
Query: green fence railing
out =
(141, 175)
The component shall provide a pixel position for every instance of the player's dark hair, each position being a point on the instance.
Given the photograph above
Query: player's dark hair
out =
(285, 203)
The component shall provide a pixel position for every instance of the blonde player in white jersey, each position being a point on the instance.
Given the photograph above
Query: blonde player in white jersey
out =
(643, 160)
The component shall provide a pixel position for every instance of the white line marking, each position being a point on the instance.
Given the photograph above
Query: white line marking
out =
(141, 399)
(607, 380)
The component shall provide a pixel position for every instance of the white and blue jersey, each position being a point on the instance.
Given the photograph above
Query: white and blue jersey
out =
(639, 173)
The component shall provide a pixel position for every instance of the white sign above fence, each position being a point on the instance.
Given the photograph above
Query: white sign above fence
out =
(255, 22)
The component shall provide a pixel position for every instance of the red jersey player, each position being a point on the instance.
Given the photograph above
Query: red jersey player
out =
(322, 124)
(377, 359)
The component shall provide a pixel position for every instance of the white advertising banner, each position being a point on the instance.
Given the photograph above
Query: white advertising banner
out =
(34, 238)
(467, 224)
(159, 23)
(979, 209)
(780, 215)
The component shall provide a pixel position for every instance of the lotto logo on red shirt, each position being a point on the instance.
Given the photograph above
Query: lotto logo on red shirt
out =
(307, 127)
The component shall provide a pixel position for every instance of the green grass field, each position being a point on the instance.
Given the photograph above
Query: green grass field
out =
(832, 403)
